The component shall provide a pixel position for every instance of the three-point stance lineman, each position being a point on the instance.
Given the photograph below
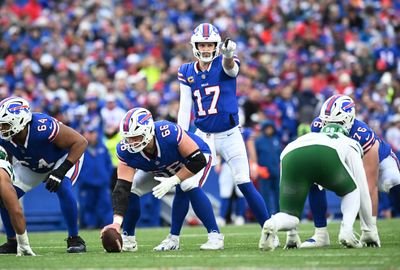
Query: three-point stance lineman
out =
(43, 150)
(8, 198)
(158, 156)
(332, 160)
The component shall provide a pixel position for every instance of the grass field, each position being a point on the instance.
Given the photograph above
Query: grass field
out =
(240, 251)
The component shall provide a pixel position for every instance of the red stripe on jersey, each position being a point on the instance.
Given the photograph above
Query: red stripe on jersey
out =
(180, 135)
(205, 173)
(75, 173)
(56, 130)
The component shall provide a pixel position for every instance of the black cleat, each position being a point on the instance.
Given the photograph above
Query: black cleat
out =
(10, 247)
(75, 244)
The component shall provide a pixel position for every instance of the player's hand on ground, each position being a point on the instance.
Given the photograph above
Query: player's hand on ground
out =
(228, 48)
(114, 226)
(166, 184)
(25, 250)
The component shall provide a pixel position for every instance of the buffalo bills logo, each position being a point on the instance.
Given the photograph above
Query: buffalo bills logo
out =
(347, 106)
(17, 108)
(144, 119)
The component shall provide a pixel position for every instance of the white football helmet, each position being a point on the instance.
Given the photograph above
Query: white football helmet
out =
(339, 109)
(15, 114)
(137, 122)
(205, 32)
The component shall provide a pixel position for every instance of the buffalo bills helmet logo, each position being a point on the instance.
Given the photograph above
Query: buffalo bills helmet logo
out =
(17, 107)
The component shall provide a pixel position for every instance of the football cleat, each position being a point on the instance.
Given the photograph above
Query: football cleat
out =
(75, 244)
(370, 239)
(349, 240)
(319, 239)
(169, 243)
(215, 242)
(268, 236)
(292, 240)
(10, 247)
(239, 221)
(129, 243)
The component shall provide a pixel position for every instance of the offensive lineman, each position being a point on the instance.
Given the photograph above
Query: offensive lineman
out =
(154, 152)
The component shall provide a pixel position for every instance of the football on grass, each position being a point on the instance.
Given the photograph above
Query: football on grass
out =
(111, 240)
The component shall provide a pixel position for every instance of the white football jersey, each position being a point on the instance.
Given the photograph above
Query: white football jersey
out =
(8, 168)
(338, 141)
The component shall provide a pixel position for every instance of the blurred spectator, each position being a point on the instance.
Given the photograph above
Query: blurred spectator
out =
(393, 134)
(268, 150)
(94, 183)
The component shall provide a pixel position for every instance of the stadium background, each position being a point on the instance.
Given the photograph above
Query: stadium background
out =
(73, 59)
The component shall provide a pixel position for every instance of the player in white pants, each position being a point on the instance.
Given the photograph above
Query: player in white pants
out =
(9, 199)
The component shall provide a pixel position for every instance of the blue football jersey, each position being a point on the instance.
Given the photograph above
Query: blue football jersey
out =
(39, 153)
(363, 134)
(167, 161)
(214, 95)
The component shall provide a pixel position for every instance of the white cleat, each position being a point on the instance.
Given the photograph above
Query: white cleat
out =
(370, 239)
(268, 236)
(215, 242)
(319, 239)
(348, 239)
(239, 221)
(129, 243)
(169, 243)
(292, 240)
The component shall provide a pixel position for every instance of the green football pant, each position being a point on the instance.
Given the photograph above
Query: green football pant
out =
(305, 166)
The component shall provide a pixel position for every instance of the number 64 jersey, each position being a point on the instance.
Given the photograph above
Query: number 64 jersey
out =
(167, 160)
(38, 152)
(214, 95)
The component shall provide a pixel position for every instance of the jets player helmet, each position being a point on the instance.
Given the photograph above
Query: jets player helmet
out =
(15, 114)
(338, 109)
(137, 123)
(205, 32)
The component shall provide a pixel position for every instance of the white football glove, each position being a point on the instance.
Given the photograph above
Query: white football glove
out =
(166, 184)
(228, 48)
(23, 248)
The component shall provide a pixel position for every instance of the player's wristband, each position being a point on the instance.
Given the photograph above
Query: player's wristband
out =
(118, 219)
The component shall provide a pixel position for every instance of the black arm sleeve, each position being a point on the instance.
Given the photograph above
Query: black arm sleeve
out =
(196, 161)
(120, 196)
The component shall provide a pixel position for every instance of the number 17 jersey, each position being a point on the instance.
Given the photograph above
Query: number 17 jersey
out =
(214, 95)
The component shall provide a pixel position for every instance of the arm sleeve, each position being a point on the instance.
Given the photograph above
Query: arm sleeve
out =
(234, 71)
(185, 106)
(355, 164)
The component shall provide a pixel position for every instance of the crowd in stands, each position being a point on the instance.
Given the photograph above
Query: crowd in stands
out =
(87, 62)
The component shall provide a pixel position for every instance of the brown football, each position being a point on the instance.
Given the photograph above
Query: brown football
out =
(111, 240)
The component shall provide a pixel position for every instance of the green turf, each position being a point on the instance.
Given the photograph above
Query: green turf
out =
(240, 251)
